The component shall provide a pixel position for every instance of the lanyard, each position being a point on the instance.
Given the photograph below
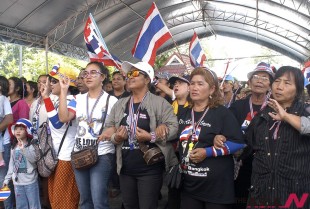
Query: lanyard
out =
(275, 133)
(198, 122)
(133, 121)
(231, 99)
(262, 107)
(90, 116)
(37, 114)
(89, 120)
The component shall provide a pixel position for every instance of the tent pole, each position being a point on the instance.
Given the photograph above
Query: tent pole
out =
(46, 54)
(20, 60)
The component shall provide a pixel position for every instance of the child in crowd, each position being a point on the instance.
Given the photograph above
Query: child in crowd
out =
(22, 166)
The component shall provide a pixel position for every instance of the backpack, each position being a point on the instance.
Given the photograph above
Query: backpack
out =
(44, 151)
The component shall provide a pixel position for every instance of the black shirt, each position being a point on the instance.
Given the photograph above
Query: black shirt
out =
(124, 94)
(242, 112)
(181, 111)
(211, 180)
(133, 162)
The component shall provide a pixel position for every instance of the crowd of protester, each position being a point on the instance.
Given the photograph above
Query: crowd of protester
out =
(237, 146)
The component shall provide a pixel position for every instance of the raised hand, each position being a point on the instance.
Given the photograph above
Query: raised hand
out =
(45, 89)
(64, 83)
(20, 143)
(279, 113)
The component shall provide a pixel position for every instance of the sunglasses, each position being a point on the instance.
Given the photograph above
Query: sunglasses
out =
(54, 81)
(135, 73)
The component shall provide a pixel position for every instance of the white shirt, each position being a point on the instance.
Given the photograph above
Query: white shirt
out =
(86, 135)
(57, 134)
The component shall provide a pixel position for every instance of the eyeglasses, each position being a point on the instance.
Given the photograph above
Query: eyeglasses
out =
(135, 73)
(262, 78)
(54, 81)
(93, 73)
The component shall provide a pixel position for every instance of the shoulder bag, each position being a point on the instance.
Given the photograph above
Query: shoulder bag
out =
(174, 176)
(45, 152)
(88, 156)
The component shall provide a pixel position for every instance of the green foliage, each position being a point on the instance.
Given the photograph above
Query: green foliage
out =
(33, 61)
(160, 60)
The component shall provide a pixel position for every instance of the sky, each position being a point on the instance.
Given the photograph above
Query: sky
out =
(223, 47)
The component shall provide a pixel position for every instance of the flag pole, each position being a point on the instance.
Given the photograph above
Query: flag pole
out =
(100, 36)
(175, 43)
(225, 72)
(176, 46)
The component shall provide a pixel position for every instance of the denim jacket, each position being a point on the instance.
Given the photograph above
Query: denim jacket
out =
(160, 112)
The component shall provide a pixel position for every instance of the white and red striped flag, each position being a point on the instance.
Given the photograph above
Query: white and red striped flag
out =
(95, 44)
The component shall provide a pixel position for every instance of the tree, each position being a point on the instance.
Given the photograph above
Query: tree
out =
(33, 61)
(160, 60)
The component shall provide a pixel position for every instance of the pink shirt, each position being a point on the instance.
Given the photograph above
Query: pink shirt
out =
(20, 110)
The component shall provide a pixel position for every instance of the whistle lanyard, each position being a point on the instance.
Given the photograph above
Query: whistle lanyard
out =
(195, 126)
(37, 113)
(133, 121)
(231, 99)
(275, 132)
(262, 107)
(90, 121)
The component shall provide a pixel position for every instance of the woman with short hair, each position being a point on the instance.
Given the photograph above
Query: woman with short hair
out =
(118, 84)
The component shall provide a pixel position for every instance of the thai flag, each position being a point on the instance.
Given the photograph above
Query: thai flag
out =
(95, 42)
(153, 34)
(306, 70)
(54, 70)
(196, 53)
(185, 134)
(116, 62)
(4, 193)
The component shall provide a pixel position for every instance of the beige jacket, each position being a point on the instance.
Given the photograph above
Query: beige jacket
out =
(160, 112)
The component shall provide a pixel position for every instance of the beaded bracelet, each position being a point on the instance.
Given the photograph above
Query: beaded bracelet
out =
(153, 137)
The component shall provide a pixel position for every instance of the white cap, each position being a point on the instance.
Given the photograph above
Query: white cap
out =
(143, 66)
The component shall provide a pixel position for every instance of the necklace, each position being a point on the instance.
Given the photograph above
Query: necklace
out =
(89, 120)
(37, 114)
(195, 126)
(262, 107)
(133, 121)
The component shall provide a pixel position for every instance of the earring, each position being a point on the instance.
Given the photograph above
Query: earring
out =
(210, 97)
